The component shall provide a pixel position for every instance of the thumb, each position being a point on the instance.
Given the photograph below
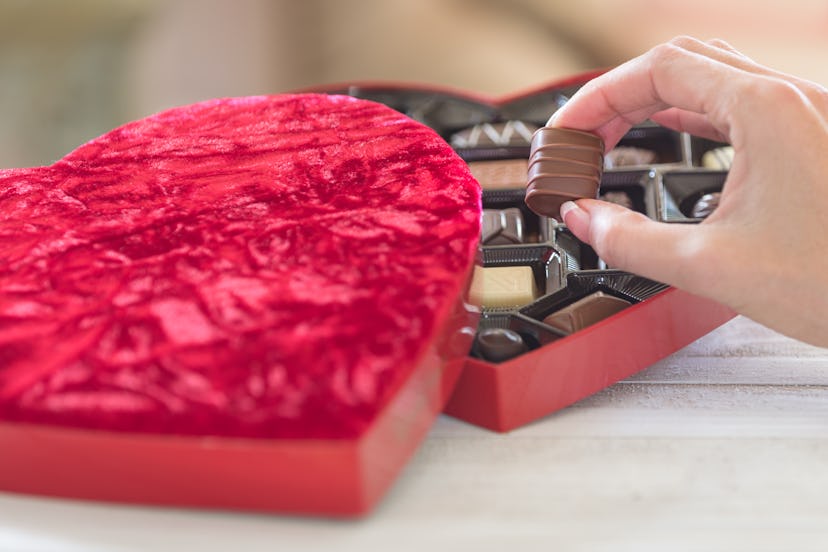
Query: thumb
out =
(668, 253)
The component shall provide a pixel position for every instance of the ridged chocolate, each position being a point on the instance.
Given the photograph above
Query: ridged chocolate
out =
(564, 164)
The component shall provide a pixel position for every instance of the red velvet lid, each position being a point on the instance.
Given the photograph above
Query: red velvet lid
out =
(262, 267)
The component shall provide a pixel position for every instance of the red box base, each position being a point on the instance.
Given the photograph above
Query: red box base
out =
(339, 478)
(504, 396)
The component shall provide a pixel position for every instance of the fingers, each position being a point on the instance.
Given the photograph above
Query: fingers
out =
(696, 124)
(719, 43)
(611, 103)
(627, 240)
(686, 84)
(725, 53)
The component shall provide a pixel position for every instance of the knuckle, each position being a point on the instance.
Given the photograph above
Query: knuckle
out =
(665, 52)
(685, 42)
(719, 43)
(757, 93)
(783, 91)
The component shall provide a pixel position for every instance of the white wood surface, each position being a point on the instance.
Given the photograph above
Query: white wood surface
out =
(722, 446)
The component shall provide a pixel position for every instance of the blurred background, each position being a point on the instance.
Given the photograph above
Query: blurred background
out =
(73, 69)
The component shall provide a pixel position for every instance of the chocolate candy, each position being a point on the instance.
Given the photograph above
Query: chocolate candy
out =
(619, 198)
(502, 226)
(503, 286)
(499, 344)
(487, 135)
(585, 312)
(564, 164)
(706, 204)
(718, 159)
(625, 156)
(505, 174)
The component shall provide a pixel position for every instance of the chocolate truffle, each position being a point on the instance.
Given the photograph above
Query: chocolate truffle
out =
(625, 156)
(585, 312)
(619, 198)
(706, 204)
(487, 135)
(503, 286)
(504, 174)
(502, 226)
(564, 165)
(719, 159)
(499, 344)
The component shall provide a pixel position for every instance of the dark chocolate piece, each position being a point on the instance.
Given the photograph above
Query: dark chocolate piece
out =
(585, 312)
(706, 204)
(564, 165)
(502, 226)
(625, 156)
(487, 135)
(499, 344)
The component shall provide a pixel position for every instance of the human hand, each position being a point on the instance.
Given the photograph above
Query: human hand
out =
(764, 250)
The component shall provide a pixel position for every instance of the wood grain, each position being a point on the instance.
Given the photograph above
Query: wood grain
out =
(722, 446)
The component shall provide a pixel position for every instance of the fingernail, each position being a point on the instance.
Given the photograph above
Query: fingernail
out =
(576, 219)
(568, 207)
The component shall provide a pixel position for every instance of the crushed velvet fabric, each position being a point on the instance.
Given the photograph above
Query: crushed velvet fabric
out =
(256, 267)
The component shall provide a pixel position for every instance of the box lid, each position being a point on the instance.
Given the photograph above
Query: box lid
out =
(252, 303)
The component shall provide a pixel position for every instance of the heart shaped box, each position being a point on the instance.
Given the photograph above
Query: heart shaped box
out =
(562, 368)
(251, 303)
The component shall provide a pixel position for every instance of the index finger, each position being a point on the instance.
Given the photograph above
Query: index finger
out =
(667, 76)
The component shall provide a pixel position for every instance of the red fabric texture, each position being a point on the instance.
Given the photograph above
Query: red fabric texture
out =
(256, 267)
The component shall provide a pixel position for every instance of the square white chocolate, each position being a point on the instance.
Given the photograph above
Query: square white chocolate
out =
(503, 286)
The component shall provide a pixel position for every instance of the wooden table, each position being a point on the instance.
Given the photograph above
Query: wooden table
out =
(722, 446)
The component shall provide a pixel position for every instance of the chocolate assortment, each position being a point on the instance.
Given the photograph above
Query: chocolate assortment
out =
(538, 283)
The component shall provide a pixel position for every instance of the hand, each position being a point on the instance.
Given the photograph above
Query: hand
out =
(764, 251)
